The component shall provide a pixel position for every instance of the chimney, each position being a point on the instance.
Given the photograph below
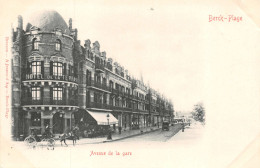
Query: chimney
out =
(70, 24)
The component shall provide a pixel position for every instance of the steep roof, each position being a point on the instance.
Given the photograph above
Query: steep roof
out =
(48, 21)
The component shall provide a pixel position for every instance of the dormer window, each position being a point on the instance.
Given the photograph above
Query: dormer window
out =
(58, 45)
(35, 44)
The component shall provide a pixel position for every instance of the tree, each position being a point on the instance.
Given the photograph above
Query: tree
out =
(198, 112)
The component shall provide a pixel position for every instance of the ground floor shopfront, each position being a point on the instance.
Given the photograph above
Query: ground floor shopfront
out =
(131, 121)
(91, 122)
(36, 120)
(98, 121)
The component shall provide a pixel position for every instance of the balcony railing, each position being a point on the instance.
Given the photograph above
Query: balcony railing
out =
(98, 85)
(49, 101)
(50, 77)
(106, 106)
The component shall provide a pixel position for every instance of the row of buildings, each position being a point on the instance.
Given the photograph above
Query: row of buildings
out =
(58, 82)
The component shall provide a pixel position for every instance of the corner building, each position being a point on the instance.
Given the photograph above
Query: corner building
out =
(58, 82)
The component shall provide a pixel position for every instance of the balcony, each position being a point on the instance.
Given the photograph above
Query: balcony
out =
(95, 105)
(99, 85)
(121, 108)
(119, 92)
(49, 101)
(135, 97)
(67, 78)
(107, 106)
(144, 111)
(100, 68)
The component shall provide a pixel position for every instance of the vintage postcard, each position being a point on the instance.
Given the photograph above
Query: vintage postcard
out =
(130, 84)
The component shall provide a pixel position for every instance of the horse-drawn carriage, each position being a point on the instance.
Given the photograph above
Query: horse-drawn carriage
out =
(46, 139)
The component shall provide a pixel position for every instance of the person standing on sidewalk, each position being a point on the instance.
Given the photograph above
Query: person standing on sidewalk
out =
(75, 131)
(109, 136)
(119, 129)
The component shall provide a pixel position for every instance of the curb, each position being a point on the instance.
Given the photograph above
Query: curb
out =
(113, 140)
(107, 141)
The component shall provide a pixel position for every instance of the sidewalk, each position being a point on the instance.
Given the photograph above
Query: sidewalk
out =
(125, 134)
(116, 136)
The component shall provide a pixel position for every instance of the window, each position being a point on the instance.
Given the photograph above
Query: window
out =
(111, 84)
(36, 68)
(104, 98)
(57, 93)
(117, 71)
(58, 45)
(109, 66)
(57, 69)
(35, 44)
(70, 70)
(36, 93)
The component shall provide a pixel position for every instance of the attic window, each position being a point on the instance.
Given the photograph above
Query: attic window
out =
(58, 45)
(35, 44)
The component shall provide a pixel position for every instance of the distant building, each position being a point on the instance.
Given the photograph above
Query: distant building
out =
(58, 82)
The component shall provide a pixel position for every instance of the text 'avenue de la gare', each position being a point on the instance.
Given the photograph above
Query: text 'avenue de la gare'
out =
(110, 153)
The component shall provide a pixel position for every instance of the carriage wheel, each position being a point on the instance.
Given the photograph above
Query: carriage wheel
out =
(50, 143)
(43, 142)
(30, 142)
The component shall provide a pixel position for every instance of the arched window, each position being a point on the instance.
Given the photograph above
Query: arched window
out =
(35, 44)
(58, 45)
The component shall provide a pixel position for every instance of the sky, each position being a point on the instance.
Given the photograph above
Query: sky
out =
(152, 40)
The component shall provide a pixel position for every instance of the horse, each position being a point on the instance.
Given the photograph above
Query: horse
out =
(73, 137)
(69, 136)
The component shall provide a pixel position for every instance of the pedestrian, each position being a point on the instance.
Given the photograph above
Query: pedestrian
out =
(183, 127)
(109, 136)
(47, 131)
(75, 132)
(119, 129)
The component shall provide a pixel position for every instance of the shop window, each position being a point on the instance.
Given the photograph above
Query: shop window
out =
(57, 93)
(58, 45)
(35, 119)
(57, 69)
(36, 93)
(35, 44)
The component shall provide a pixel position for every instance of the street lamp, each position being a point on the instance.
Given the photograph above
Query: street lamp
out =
(108, 119)
(109, 136)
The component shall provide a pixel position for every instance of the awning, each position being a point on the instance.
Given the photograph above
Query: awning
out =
(102, 119)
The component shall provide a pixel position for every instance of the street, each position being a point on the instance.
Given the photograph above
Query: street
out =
(159, 135)
(156, 149)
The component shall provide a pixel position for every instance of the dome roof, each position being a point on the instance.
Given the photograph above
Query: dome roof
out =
(48, 21)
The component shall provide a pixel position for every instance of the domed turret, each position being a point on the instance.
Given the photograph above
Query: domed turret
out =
(48, 21)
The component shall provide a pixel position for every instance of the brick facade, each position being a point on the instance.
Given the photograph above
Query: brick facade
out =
(56, 81)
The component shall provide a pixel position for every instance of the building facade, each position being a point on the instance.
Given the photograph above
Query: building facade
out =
(58, 82)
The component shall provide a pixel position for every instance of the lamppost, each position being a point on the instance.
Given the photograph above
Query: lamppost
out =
(108, 119)
(109, 136)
